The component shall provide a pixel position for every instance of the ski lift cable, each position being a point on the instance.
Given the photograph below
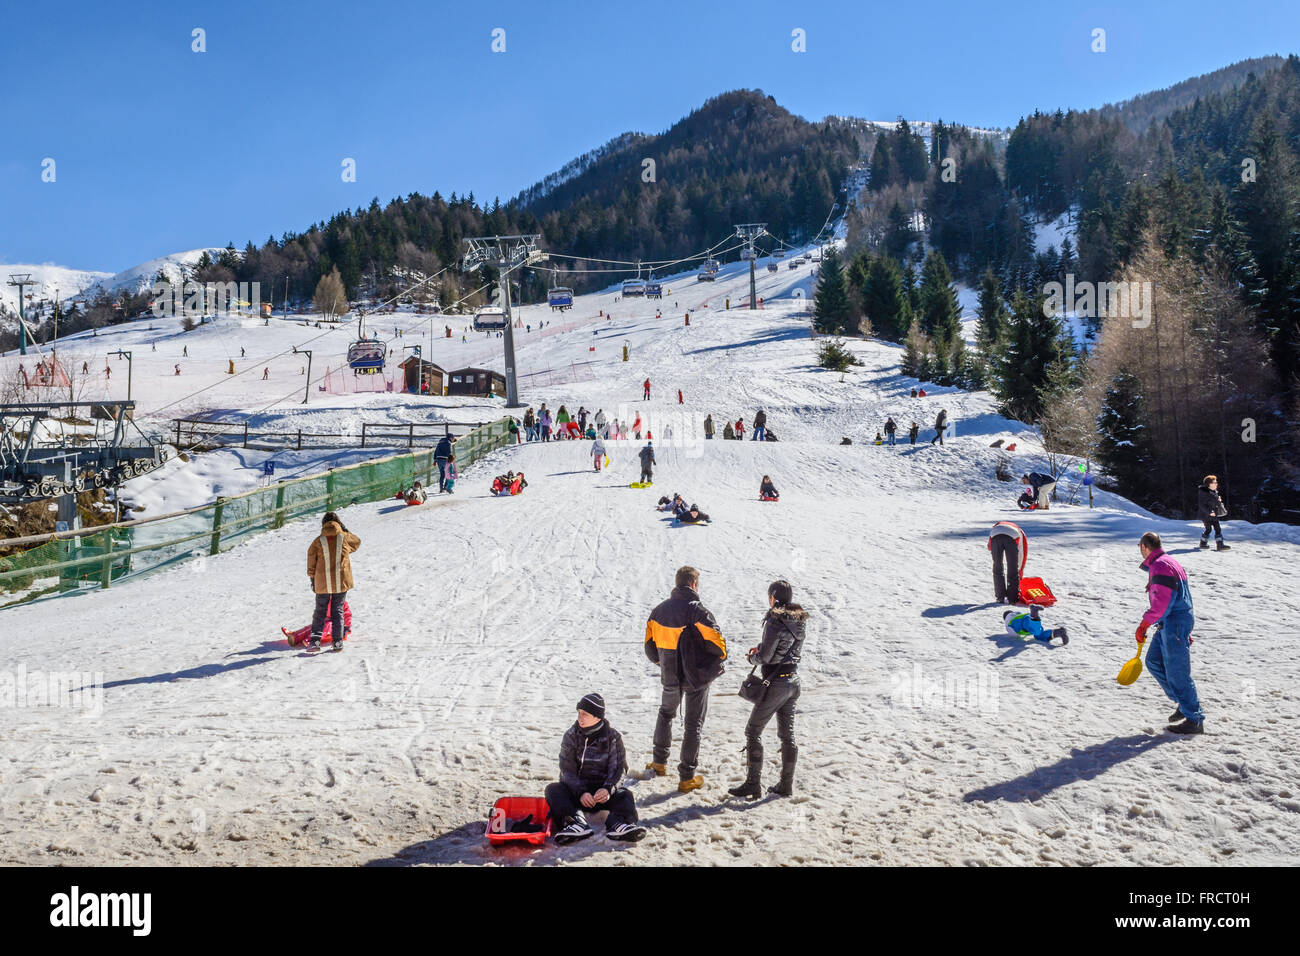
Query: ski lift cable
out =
(325, 374)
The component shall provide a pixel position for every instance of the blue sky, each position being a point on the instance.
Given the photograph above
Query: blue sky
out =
(159, 149)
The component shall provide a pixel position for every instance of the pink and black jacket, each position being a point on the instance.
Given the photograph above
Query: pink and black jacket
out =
(1167, 588)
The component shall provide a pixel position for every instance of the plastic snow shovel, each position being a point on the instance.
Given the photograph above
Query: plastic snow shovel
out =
(1131, 670)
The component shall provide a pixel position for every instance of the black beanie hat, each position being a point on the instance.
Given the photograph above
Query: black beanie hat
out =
(593, 704)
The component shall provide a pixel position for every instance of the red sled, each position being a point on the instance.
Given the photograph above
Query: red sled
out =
(767, 498)
(508, 810)
(1036, 591)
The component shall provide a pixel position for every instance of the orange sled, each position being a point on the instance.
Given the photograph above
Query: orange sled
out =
(509, 810)
(1036, 591)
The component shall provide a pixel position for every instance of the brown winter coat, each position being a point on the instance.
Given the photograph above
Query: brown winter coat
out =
(328, 565)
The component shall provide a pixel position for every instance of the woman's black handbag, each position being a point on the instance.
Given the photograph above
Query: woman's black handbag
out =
(754, 687)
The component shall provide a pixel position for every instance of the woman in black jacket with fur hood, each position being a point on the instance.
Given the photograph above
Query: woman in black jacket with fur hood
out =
(778, 655)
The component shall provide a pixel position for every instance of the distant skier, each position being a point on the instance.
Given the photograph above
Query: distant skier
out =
(647, 456)
(598, 451)
(760, 426)
(1029, 624)
(891, 428)
(1170, 660)
(185, 351)
(940, 424)
(778, 653)
(1042, 485)
(683, 638)
(1009, 546)
(266, 373)
(592, 765)
(1209, 508)
(329, 565)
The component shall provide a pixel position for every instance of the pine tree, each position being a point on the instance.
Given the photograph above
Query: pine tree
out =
(882, 165)
(883, 300)
(992, 312)
(1033, 344)
(940, 311)
(831, 306)
(1123, 448)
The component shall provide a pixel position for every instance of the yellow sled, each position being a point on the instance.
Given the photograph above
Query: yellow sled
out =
(641, 484)
(1131, 670)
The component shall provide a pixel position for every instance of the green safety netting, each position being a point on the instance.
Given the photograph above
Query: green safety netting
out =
(98, 558)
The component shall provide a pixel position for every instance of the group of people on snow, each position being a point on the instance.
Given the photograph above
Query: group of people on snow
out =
(683, 640)
(1169, 611)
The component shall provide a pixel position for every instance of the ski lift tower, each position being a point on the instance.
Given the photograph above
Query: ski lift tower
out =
(750, 231)
(508, 253)
(24, 279)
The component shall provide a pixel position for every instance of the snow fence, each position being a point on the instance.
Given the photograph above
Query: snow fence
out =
(98, 557)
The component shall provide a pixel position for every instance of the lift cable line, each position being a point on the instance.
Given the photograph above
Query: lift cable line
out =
(508, 253)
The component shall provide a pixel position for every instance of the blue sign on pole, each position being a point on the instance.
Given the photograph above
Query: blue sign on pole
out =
(268, 468)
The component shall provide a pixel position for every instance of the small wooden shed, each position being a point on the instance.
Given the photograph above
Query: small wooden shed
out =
(423, 378)
(476, 381)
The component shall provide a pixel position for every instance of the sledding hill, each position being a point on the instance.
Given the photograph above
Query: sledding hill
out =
(928, 735)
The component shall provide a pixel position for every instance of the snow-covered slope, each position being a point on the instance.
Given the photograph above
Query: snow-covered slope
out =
(927, 735)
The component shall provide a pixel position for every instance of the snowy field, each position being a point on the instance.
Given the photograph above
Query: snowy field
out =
(928, 736)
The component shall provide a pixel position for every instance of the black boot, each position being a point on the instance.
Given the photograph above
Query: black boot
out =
(785, 786)
(751, 789)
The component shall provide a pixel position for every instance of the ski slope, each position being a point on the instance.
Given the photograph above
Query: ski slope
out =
(928, 736)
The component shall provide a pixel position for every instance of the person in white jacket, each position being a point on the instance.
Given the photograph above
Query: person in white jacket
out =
(598, 451)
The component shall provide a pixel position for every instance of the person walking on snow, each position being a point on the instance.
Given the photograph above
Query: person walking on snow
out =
(1209, 509)
(592, 764)
(1009, 546)
(329, 566)
(913, 432)
(760, 426)
(940, 423)
(441, 455)
(891, 427)
(708, 427)
(778, 653)
(683, 638)
(1169, 659)
(600, 423)
(582, 419)
(740, 429)
(646, 386)
(647, 456)
(598, 451)
(544, 419)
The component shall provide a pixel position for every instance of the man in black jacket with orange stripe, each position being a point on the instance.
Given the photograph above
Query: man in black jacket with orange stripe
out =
(684, 640)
